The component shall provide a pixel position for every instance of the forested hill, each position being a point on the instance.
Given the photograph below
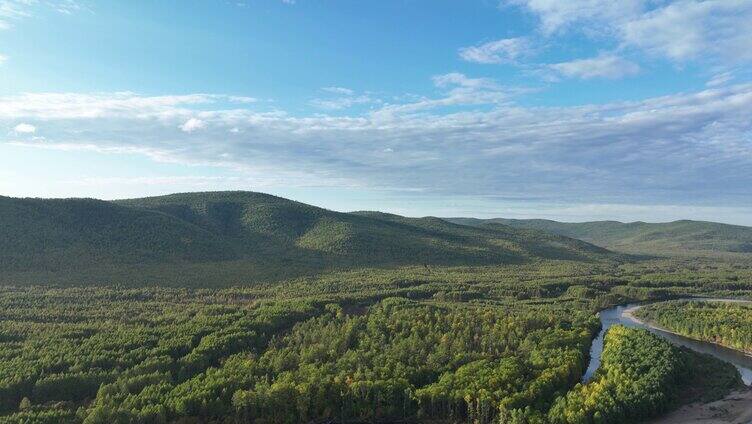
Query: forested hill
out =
(240, 237)
(678, 237)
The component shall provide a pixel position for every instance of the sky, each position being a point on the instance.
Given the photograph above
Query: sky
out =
(570, 110)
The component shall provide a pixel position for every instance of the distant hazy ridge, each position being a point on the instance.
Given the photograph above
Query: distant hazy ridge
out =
(679, 237)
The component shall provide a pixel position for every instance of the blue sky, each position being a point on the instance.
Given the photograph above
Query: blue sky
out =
(576, 110)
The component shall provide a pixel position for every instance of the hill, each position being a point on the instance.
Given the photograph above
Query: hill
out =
(221, 238)
(57, 234)
(672, 238)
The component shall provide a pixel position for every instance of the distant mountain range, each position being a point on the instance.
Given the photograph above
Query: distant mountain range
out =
(221, 238)
(671, 238)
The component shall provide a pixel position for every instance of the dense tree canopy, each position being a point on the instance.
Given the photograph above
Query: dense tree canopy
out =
(725, 323)
(483, 344)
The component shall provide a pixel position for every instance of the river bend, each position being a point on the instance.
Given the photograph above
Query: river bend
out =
(621, 315)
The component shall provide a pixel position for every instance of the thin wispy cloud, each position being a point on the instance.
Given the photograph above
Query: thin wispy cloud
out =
(15, 10)
(720, 79)
(507, 50)
(93, 105)
(458, 90)
(339, 90)
(341, 102)
(68, 7)
(341, 98)
(605, 65)
(11, 10)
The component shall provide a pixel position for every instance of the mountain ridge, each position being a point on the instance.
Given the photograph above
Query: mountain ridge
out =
(242, 237)
(681, 237)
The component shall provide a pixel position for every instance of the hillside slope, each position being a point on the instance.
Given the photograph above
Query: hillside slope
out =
(240, 237)
(260, 222)
(59, 234)
(678, 237)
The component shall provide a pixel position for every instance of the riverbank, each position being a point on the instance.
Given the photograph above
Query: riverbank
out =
(630, 314)
(736, 408)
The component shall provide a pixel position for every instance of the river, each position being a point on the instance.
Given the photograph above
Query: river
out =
(616, 315)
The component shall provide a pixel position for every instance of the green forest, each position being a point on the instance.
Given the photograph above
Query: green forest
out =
(641, 376)
(453, 344)
(725, 323)
(238, 307)
(221, 239)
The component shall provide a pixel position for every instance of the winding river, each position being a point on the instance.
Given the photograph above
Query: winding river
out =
(622, 315)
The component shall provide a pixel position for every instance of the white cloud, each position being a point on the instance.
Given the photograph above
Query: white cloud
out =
(3, 59)
(192, 125)
(605, 65)
(242, 99)
(68, 7)
(599, 15)
(25, 128)
(168, 180)
(341, 102)
(345, 98)
(679, 30)
(500, 51)
(470, 139)
(339, 90)
(459, 91)
(720, 79)
(686, 30)
(83, 106)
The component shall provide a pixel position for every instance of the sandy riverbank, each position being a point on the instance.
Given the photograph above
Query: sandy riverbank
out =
(629, 313)
(736, 408)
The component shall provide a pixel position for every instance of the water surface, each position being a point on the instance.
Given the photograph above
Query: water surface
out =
(615, 315)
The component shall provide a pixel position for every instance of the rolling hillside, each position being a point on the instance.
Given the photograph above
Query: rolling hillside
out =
(240, 237)
(673, 238)
(61, 234)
